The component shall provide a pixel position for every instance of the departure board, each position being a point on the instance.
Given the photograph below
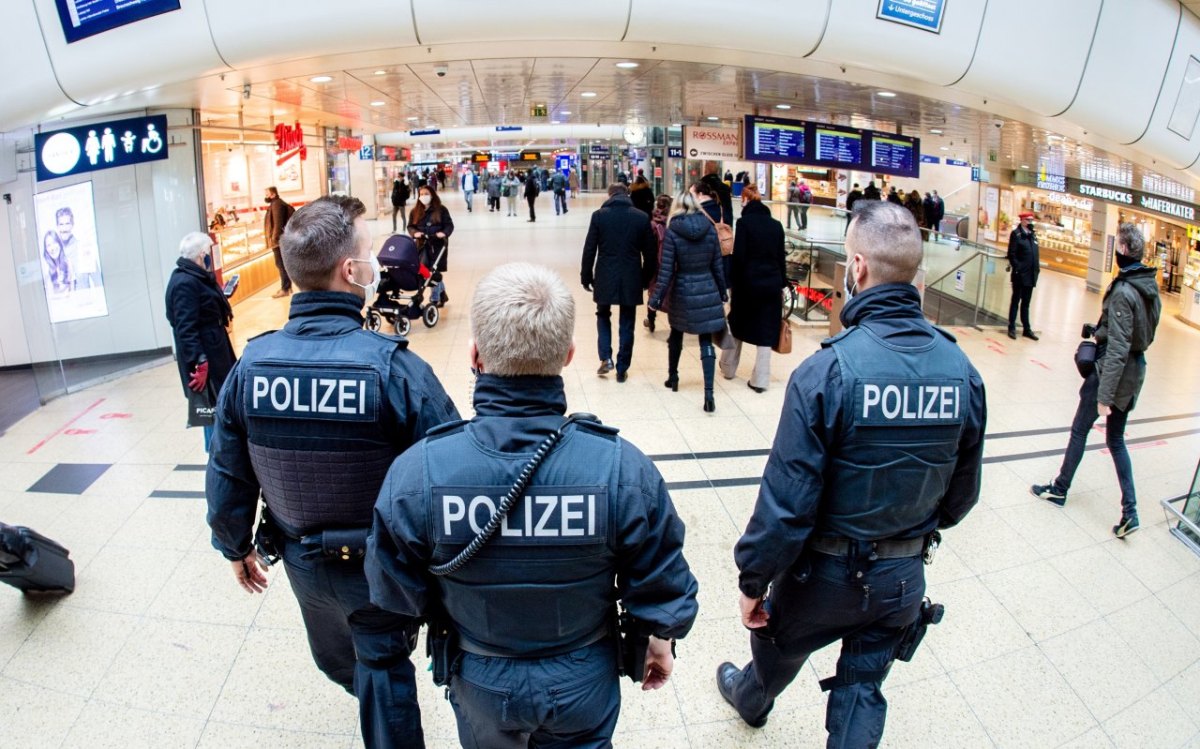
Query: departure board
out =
(894, 154)
(83, 18)
(776, 140)
(839, 147)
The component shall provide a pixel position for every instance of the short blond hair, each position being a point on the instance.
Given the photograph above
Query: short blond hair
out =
(523, 320)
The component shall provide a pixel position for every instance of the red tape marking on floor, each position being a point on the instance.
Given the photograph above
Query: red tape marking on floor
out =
(63, 428)
(1138, 446)
(1043, 366)
(994, 342)
(116, 416)
(1000, 351)
(76, 432)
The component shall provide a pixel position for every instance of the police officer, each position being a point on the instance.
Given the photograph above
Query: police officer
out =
(312, 417)
(533, 609)
(879, 445)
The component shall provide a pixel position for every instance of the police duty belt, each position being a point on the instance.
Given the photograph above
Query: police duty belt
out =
(514, 493)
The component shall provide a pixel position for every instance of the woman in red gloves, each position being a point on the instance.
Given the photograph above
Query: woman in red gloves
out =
(199, 314)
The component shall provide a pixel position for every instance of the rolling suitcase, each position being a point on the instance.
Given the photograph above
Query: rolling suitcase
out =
(33, 563)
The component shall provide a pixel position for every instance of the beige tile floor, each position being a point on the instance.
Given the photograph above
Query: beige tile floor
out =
(1056, 634)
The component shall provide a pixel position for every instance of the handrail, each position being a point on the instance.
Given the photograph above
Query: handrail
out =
(947, 274)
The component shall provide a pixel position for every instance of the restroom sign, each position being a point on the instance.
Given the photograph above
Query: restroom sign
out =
(103, 145)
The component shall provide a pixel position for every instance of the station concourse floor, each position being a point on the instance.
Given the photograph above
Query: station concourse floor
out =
(1056, 633)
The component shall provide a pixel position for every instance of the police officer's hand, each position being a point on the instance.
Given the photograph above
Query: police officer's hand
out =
(659, 664)
(199, 377)
(251, 573)
(754, 616)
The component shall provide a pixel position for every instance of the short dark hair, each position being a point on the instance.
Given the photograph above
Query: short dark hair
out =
(273, 191)
(617, 188)
(318, 237)
(64, 211)
(1131, 237)
(887, 235)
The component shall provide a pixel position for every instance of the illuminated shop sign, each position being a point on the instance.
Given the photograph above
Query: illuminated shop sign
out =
(1167, 207)
(1110, 194)
(289, 141)
(103, 145)
(1141, 200)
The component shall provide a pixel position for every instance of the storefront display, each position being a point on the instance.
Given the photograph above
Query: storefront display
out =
(1063, 223)
(1189, 303)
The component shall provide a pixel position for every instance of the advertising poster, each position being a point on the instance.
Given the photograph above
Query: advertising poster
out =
(289, 174)
(717, 144)
(70, 253)
(1005, 218)
(987, 213)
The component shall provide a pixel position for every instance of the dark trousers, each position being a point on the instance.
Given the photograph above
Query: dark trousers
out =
(285, 283)
(1021, 294)
(821, 602)
(560, 200)
(1114, 439)
(397, 210)
(803, 217)
(531, 199)
(570, 700)
(359, 646)
(624, 334)
(793, 210)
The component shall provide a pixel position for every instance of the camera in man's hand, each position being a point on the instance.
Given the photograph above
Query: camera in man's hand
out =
(1088, 331)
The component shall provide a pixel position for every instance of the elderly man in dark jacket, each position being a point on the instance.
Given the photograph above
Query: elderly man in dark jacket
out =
(1024, 266)
(618, 262)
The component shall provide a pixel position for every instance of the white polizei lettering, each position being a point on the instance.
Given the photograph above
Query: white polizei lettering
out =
(929, 413)
(905, 413)
(948, 409)
(297, 406)
(312, 394)
(450, 516)
(323, 406)
(893, 392)
(528, 515)
(568, 514)
(591, 514)
(475, 503)
(870, 398)
(345, 397)
(260, 388)
(362, 396)
(275, 402)
(541, 529)
(506, 530)
(957, 393)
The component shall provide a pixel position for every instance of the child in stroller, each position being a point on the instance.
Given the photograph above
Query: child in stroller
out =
(404, 280)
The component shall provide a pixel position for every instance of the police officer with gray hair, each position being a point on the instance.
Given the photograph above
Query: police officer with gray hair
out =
(879, 446)
(311, 418)
(517, 532)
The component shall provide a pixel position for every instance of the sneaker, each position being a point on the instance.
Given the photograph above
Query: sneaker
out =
(606, 366)
(1049, 493)
(1126, 526)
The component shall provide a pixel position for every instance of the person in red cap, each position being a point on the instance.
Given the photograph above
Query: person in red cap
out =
(1023, 267)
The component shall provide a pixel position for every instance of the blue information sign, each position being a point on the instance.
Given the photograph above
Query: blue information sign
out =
(930, 159)
(921, 14)
(840, 147)
(83, 18)
(957, 162)
(776, 139)
(102, 145)
(507, 128)
(366, 153)
(674, 152)
(424, 132)
(894, 154)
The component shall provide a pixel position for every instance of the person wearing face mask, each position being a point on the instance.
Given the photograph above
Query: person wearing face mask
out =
(431, 225)
(1129, 317)
(879, 445)
(1024, 267)
(311, 418)
(199, 315)
(274, 222)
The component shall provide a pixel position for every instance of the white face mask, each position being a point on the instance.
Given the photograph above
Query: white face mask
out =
(850, 273)
(372, 288)
(425, 199)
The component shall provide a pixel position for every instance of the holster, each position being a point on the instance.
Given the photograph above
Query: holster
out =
(441, 645)
(930, 613)
(632, 638)
(343, 544)
(268, 538)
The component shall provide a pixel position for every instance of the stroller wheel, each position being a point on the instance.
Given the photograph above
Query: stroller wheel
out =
(403, 325)
(374, 320)
(430, 316)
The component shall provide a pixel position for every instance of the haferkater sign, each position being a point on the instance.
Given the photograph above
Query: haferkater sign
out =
(1135, 198)
(712, 143)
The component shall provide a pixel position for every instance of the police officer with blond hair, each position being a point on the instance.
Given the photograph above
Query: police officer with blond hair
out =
(578, 520)
(879, 446)
(311, 418)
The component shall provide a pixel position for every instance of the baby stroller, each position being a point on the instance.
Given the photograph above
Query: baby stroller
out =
(403, 282)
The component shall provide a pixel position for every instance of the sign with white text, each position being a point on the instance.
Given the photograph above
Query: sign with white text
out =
(714, 143)
(920, 14)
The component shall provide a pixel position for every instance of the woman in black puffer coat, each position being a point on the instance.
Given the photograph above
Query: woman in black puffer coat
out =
(691, 279)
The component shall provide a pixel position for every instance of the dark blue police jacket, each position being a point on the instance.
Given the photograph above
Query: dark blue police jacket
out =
(595, 525)
(312, 416)
(881, 437)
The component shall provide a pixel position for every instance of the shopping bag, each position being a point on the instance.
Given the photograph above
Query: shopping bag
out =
(202, 406)
(784, 345)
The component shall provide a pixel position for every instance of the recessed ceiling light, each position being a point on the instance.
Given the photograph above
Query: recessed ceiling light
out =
(945, 148)
(380, 72)
(676, 124)
(935, 131)
(886, 94)
(413, 119)
(553, 122)
(783, 106)
(321, 78)
(588, 94)
(714, 119)
(378, 103)
(564, 112)
(627, 65)
(1024, 166)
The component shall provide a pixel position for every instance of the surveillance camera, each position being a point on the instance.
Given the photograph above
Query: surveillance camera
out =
(441, 71)
(998, 123)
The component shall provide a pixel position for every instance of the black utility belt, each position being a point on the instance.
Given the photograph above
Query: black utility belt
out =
(341, 544)
(476, 649)
(887, 549)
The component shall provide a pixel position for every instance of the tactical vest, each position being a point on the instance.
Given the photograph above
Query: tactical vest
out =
(317, 420)
(903, 412)
(544, 584)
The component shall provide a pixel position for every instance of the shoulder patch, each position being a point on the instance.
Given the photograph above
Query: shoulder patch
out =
(834, 339)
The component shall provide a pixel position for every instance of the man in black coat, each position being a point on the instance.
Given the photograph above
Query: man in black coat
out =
(1024, 266)
(278, 213)
(853, 197)
(618, 261)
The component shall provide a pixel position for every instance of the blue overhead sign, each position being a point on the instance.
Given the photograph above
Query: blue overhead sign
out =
(957, 162)
(921, 14)
(83, 18)
(507, 128)
(424, 132)
(930, 159)
(103, 145)
(674, 152)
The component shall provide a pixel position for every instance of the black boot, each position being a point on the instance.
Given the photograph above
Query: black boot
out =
(674, 350)
(708, 364)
